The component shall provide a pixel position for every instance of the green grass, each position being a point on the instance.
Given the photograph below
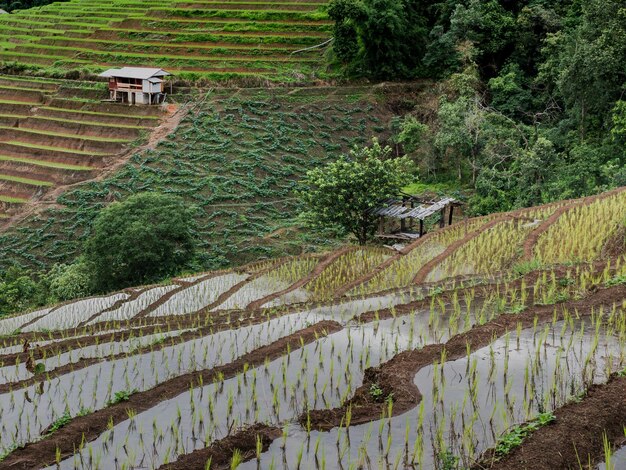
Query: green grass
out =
(199, 58)
(30, 103)
(56, 149)
(13, 200)
(28, 181)
(45, 163)
(98, 113)
(17, 88)
(30, 80)
(444, 187)
(517, 434)
(14, 116)
(84, 123)
(272, 22)
(61, 134)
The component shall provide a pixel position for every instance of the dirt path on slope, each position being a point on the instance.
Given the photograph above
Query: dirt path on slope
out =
(220, 452)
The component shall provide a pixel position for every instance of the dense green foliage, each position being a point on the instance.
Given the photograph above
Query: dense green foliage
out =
(140, 240)
(10, 5)
(237, 158)
(21, 289)
(533, 98)
(344, 192)
(17, 290)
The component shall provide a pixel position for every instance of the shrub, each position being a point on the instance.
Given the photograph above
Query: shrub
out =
(70, 281)
(143, 239)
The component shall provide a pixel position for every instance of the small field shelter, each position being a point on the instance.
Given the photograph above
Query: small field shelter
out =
(136, 85)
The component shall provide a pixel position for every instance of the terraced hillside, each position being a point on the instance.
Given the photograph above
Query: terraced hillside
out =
(192, 39)
(237, 156)
(55, 133)
(287, 364)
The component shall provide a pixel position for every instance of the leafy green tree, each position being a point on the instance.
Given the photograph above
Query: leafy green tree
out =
(67, 282)
(383, 39)
(457, 141)
(586, 64)
(488, 26)
(346, 14)
(412, 133)
(18, 291)
(509, 94)
(618, 116)
(416, 141)
(343, 193)
(143, 239)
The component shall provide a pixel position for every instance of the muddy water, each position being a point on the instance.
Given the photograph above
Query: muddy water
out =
(26, 412)
(466, 404)
(131, 308)
(9, 325)
(618, 461)
(76, 334)
(198, 296)
(13, 372)
(73, 314)
(276, 392)
(347, 310)
(257, 289)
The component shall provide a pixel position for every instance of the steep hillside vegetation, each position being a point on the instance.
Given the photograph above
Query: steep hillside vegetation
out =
(243, 365)
(218, 40)
(237, 156)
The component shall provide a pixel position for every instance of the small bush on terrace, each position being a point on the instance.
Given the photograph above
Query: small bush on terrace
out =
(143, 239)
(67, 282)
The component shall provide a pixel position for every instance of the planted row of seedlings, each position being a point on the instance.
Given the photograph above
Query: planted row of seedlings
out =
(467, 404)
(139, 363)
(432, 315)
(27, 412)
(176, 447)
(320, 374)
(588, 228)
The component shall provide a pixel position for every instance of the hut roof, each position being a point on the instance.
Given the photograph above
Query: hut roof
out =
(394, 209)
(142, 73)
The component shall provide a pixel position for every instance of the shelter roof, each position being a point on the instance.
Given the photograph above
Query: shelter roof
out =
(142, 73)
(394, 208)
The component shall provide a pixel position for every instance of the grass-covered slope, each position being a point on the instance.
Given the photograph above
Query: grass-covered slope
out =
(56, 132)
(232, 39)
(237, 156)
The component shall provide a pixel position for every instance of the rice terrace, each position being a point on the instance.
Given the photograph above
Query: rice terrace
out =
(300, 234)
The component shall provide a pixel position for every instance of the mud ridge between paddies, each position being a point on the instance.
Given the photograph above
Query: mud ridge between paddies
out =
(396, 376)
(85, 428)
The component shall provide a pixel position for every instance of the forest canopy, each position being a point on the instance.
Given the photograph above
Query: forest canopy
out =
(12, 5)
(533, 108)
